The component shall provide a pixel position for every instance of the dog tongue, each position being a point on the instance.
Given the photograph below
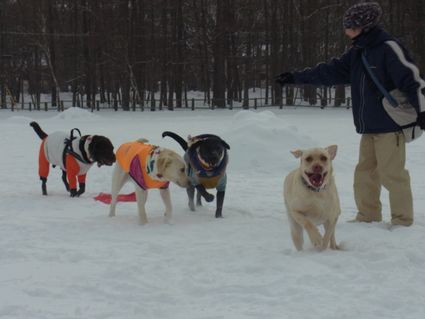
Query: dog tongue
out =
(316, 180)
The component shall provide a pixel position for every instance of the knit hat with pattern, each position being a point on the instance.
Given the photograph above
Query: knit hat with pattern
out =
(364, 15)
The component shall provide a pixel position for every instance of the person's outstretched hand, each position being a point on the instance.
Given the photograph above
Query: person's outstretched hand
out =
(285, 78)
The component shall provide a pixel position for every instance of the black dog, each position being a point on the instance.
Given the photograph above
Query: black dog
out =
(73, 154)
(206, 158)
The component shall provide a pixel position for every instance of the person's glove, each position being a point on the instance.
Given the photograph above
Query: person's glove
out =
(285, 78)
(421, 120)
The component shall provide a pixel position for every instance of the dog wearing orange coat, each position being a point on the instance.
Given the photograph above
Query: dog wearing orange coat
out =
(148, 167)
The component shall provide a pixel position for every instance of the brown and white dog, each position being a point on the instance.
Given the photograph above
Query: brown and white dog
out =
(311, 197)
(148, 166)
(73, 154)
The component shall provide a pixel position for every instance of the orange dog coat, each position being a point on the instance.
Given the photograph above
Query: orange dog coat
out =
(138, 160)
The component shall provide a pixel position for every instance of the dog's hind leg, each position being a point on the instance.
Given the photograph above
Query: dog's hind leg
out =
(141, 196)
(296, 233)
(43, 168)
(198, 198)
(64, 180)
(166, 198)
(220, 201)
(43, 185)
(191, 195)
(119, 178)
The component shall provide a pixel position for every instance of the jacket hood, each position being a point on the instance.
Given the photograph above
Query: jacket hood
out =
(371, 38)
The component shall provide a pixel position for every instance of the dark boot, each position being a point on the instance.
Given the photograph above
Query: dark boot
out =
(43, 185)
(191, 194)
(65, 181)
(82, 189)
(201, 189)
(220, 201)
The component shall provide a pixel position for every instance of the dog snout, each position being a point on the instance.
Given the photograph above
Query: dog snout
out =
(317, 169)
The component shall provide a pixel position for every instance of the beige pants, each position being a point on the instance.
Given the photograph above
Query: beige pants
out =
(382, 159)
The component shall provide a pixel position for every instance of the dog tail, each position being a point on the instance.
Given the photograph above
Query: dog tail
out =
(176, 137)
(41, 134)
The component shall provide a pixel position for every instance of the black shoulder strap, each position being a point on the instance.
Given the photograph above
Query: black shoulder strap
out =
(69, 150)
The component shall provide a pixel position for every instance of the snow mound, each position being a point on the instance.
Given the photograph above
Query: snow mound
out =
(255, 137)
(75, 113)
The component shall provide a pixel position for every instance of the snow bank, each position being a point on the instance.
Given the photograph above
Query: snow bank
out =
(255, 137)
(75, 113)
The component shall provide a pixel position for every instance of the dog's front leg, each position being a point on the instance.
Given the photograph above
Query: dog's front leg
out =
(220, 201)
(201, 189)
(166, 198)
(330, 227)
(311, 229)
(141, 196)
(296, 233)
(329, 235)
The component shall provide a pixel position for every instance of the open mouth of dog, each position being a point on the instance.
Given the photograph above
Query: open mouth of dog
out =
(316, 179)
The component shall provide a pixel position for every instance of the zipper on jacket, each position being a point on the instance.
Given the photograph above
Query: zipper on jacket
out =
(362, 99)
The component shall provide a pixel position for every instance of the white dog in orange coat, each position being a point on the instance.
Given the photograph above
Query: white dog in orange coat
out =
(148, 166)
(311, 197)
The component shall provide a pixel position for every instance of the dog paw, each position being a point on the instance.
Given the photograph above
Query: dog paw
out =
(168, 221)
(317, 241)
(191, 206)
(209, 197)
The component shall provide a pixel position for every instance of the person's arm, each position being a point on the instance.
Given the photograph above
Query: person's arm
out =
(336, 71)
(405, 75)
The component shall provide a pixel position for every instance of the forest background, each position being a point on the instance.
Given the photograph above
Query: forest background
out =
(131, 53)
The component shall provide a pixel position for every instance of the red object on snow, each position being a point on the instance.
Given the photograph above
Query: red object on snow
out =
(107, 198)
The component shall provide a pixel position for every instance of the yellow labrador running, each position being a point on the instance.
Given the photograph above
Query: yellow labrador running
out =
(148, 166)
(311, 197)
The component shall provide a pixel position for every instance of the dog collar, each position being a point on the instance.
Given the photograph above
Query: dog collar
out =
(151, 167)
(86, 154)
(314, 189)
(204, 164)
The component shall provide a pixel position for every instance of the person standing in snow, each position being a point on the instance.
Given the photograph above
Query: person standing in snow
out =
(382, 146)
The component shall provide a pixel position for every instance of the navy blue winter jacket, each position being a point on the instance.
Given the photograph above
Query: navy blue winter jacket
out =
(391, 64)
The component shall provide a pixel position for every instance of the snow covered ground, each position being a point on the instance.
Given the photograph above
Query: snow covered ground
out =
(63, 257)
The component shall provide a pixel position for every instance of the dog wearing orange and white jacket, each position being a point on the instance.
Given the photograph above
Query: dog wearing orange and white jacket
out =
(148, 166)
(74, 155)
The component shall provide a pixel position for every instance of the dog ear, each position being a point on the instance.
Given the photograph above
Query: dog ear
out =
(225, 145)
(162, 164)
(297, 153)
(332, 150)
